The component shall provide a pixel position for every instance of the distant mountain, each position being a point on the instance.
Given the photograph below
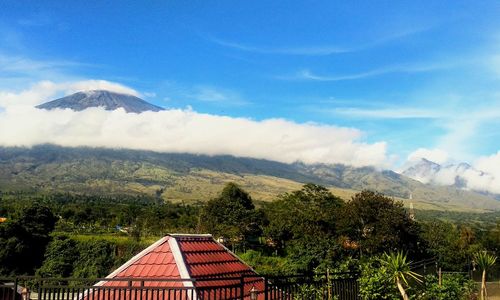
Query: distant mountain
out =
(189, 177)
(424, 170)
(101, 98)
(457, 175)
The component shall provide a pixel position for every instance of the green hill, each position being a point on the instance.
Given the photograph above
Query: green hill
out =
(189, 177)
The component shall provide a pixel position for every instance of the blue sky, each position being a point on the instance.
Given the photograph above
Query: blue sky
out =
(412, 74)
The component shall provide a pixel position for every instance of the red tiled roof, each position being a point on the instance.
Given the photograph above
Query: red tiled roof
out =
(207, 259)
(155, 262)
(198, 260)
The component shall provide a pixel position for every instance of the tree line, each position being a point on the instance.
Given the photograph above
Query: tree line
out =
(304, 231)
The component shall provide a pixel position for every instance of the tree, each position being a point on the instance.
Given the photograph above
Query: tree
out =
(23, 240)
(376, 223)
(484, 261)
(399, 269)
(231, 215)
(60, 257)
(303, 223)
(96, 259)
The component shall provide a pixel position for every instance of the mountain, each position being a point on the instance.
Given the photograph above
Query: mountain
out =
(101, 98)
(461, 175)
(424, 170)
(189, 177)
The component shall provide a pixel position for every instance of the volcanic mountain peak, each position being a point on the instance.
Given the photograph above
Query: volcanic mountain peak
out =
(101, 98)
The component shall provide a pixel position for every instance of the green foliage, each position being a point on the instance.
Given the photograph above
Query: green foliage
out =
(484, 260)
(377, 224)
(311, 291)
(376, 283)
(87, 256)
(232, 215)
(24, 238)
(303, 224)
(399, 267)
(96, 259)
(269, 265)
(453, 286)
(308, 230)
(60, 257)
(453, 246)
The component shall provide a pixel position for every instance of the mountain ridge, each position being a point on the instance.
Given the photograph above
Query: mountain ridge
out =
(181, 176)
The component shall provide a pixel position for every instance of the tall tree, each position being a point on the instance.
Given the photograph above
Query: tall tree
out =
(231, 215)
(24, 238)
(377, 223)
(302, 223)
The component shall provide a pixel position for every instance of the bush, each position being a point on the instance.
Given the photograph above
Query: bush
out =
(375, 282)
(96, 259)
(269, 265)
(454, 286)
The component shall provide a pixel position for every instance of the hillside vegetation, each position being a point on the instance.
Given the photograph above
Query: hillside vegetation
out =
(188, 177)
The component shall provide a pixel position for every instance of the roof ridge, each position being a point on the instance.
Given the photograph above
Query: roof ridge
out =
(237, 257)
(135, 258)
(191, 235)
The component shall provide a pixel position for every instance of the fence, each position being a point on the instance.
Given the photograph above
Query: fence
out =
(342, 286)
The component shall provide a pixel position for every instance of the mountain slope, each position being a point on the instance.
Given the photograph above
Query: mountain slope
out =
(101, 98)
(199, 177)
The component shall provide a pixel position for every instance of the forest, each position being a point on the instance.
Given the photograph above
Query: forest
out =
(306, 231)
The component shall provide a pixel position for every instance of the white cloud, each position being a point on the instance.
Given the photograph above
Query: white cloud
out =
(98, 85)
(321, 50)
(403, 68)
(435, 155)
(46, 90)
(491, 165)
(177, 130)
(386, 113)
(216, 95)
(307, 51)
(483, 175)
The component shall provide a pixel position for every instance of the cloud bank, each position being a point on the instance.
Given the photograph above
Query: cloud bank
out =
(176, 130)
(483, 175)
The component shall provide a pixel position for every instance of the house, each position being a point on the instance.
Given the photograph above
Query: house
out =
(182, 266)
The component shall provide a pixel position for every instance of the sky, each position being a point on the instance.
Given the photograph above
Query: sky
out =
(358, 82)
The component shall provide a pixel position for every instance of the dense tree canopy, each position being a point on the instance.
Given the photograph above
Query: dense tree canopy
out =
(60, 258)
(231, 215)
(303, 224)
(376, 223)
(23, 239)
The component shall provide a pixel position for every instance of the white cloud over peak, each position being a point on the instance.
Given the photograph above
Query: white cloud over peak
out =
(483, 175)
(177, 130)
(435, 155)
(46, 90)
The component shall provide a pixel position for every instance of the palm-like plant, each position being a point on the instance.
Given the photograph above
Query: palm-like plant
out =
(484, 261)
(399, 268)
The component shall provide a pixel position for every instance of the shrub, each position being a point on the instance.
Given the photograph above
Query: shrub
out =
(375, 282)
(454, 286)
